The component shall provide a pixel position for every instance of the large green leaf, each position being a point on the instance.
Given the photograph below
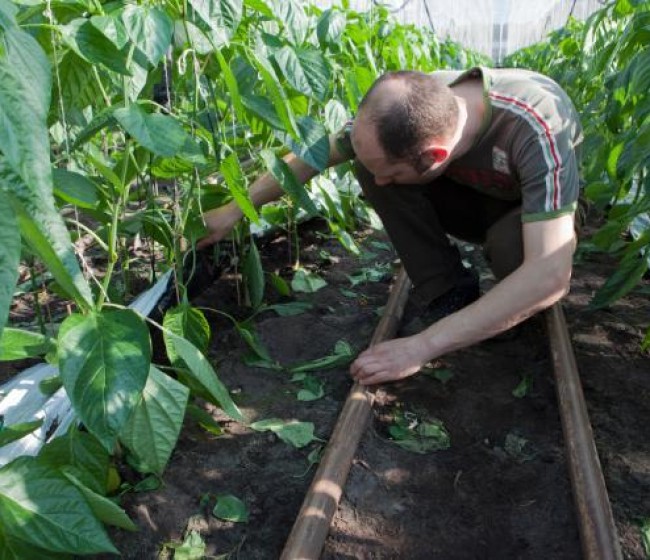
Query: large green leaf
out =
(287, 180)
(330, 27)
(77, 83)
(221, 16)
(275, 91)
(152, 430)
(306, 69)
(161, 134)
(294, 19)
(201, 377)
(104, 360)
(39, 506)
(25, 170)
(232, 174)
(75, 188)
(187, 322)
(150, 29)
(93, 46)
(80, 454)
(9, 260)
(264, 109)
(314, 145)
(17, 344)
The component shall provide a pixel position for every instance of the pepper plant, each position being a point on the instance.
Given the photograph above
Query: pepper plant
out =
(125, 121)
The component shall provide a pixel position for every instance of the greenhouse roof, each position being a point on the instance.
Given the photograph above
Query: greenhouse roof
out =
(493, 27)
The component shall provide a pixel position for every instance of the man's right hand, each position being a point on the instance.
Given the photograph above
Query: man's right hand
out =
(220, 223)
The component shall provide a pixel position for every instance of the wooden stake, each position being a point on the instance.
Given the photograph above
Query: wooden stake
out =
(312, 525)
(595, 519)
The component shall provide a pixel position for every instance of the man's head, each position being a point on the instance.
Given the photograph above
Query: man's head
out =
(406, 127)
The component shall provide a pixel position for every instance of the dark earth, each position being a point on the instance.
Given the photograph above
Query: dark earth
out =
(500, 491)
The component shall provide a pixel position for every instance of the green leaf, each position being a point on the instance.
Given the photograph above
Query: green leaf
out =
(153, 428)
(105, 510)
(280, 284)
(192, 548)
(313, 388)
(17, 431)
(524, 387)
(150, 29)
(161, 134)
(80, 454)
(284, 176)
(264, 109)
(16, 344)
(231, 84)
(230, 508)
(306, 69)
(632, 268)
(186, 322)
(232, 173)
(254, 275)
(290, 309)
(250, 337)
(291, 14)
(9, 261)
(645, 536)
(104, 360)
(444, 375)
(25, 170)
(330, 27)
(314, 145)
(202, 377)
(293, 432)
(305, 281)
(204, 419)
(275, 92)
(417, 436)
(75, 188)
(221, 16)
(335, 116)
(93, 46)
(342, 355)
(38, 505)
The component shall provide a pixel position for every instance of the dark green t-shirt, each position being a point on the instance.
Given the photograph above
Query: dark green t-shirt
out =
(528, 147)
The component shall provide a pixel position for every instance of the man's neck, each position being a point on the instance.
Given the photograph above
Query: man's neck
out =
(471, 105)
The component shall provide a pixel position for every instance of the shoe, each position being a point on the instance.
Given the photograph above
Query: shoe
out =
(416, 318)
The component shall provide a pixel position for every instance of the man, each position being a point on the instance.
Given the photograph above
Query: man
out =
(489, 156)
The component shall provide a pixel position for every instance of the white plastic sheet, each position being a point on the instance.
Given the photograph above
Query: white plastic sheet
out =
(22, 401)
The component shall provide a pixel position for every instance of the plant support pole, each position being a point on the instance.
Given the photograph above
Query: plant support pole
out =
(312, 525)
(596, 523)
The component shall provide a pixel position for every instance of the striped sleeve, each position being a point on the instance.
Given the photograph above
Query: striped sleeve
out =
(543, 155)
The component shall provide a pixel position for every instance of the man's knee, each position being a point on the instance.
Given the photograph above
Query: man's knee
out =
(504, 245)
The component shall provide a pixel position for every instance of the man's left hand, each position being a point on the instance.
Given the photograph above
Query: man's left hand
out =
(390, 361)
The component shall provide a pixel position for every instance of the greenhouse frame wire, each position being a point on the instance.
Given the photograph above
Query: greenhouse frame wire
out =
(495, 28)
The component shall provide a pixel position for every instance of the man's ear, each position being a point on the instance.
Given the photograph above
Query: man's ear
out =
(435, 154)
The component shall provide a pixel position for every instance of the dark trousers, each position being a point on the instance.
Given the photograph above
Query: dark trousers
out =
(418, 219)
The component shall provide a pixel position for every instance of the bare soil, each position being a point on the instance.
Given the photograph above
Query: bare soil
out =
(500, 491)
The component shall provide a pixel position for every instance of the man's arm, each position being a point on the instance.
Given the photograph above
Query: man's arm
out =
(222, 220)
(541, 280)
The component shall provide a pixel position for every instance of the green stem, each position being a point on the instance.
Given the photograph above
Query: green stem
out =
(112, 232)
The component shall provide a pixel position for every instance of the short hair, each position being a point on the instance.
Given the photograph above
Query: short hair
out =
(423, 107)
